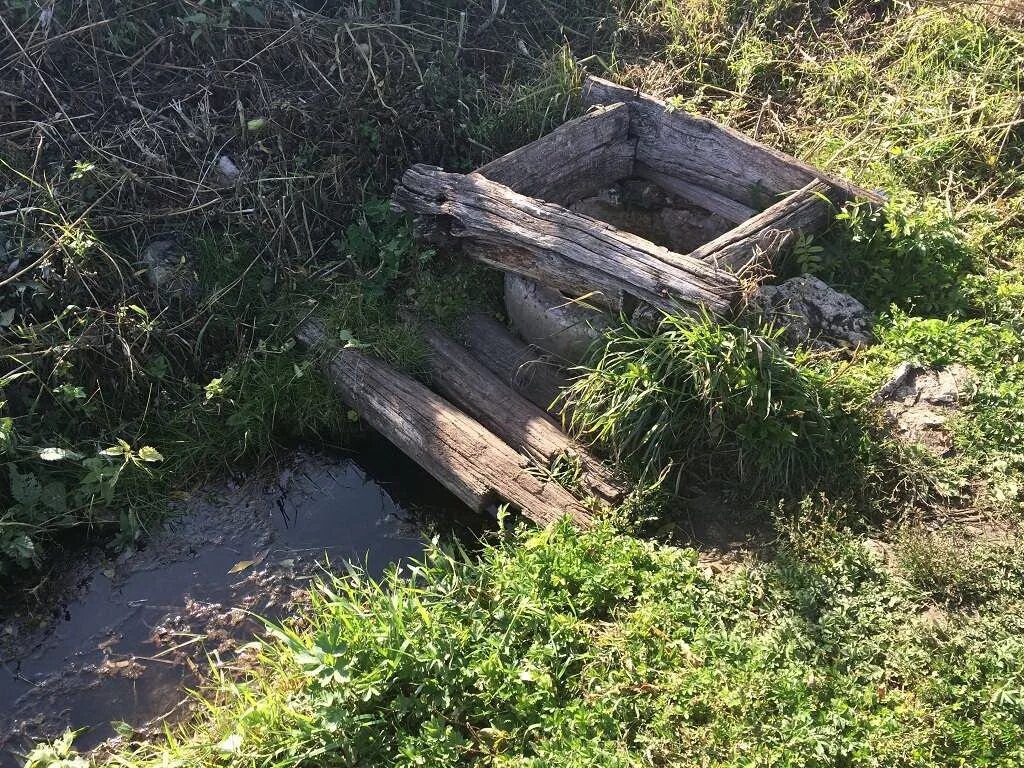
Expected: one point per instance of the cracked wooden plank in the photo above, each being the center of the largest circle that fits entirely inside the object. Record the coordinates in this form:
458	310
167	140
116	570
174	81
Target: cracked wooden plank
571	252
464	380
686	154
576	160
468	459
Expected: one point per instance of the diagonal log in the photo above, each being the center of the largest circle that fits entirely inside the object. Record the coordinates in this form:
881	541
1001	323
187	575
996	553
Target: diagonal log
458	451
769	233
526	369
463	380
550	244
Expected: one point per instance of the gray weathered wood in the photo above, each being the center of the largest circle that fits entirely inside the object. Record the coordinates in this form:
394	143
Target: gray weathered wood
458	451
526	369
575	160
766	235
702	153
548	243
695	194
464	380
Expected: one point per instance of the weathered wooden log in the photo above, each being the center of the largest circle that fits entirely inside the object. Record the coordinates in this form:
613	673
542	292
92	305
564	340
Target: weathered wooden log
462	379
568	251
576	160
685	153
458	451
524	368
766	235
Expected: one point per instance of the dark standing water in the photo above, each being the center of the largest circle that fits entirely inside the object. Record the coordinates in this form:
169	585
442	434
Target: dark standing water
133	634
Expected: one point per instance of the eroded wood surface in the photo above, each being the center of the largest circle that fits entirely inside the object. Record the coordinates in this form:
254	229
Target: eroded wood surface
526	369
766	235
468	459
700	153
464	380
575	160
548	243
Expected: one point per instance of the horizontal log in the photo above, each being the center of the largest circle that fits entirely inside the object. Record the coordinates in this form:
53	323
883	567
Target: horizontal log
524	368
695	194
703	153
463	380
557	247
468	459
766	235
576	160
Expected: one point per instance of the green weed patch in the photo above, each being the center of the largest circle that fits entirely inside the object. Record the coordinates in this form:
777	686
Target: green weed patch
568	649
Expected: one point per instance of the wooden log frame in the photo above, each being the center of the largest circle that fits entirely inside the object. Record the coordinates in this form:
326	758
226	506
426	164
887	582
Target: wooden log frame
574	253
518	365
463	380
709	164
469	460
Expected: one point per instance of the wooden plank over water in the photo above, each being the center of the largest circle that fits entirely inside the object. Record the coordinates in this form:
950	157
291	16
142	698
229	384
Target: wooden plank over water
463	380
464	456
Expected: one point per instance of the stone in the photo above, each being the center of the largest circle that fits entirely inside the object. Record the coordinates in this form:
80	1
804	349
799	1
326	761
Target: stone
813	313
547	319
168	271
918	401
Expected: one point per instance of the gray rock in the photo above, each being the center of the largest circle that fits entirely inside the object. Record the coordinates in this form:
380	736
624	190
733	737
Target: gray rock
811	312
919	401
169	272
550	321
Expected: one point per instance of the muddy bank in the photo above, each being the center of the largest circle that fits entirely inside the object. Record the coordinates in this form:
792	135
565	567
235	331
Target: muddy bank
132	634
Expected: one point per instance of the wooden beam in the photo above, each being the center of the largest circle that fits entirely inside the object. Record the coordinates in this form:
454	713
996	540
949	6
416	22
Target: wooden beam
695	194
568	251
766	235
458	451
462	379
702	153
576	160
525	369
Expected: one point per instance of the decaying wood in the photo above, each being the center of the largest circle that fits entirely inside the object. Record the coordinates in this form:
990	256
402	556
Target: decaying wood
463	380
695	194
568	251
524	368
576	160
700	153
806	211
465	457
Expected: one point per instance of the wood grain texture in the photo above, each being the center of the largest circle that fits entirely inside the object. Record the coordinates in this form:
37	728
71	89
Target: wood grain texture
463	380
769	233
468	459
562	249
576	160
524	368
696	194
702	153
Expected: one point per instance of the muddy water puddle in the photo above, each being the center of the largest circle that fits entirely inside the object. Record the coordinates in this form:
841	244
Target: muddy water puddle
133	634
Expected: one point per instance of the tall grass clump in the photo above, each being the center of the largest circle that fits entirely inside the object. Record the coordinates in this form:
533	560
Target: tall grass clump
704	398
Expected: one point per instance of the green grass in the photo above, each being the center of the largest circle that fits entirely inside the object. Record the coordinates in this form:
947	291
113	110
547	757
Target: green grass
557	648
699	399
